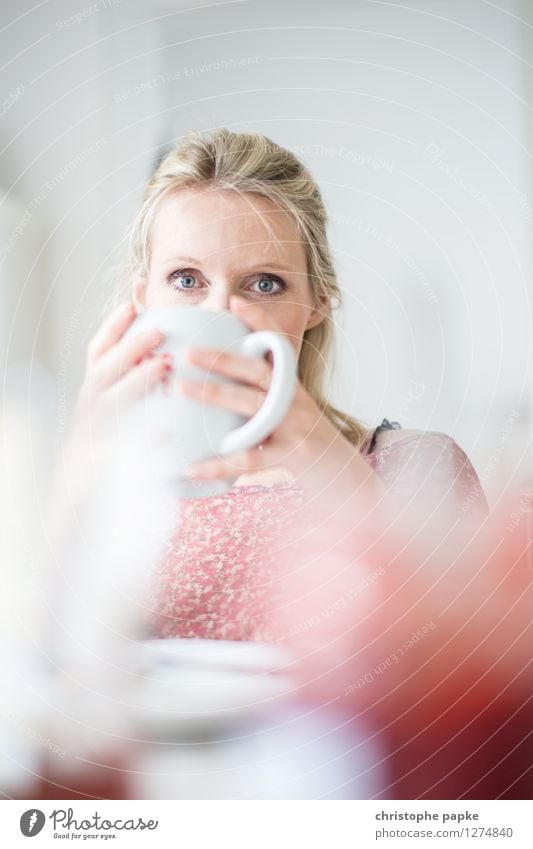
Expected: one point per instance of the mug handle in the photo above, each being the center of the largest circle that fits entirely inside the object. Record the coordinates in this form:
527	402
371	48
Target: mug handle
279	395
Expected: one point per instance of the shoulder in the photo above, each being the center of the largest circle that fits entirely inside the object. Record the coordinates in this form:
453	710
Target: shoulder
387	437
415	460
423	445
411	439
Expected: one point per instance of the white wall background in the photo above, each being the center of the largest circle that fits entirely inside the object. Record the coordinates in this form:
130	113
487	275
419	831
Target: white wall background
414	118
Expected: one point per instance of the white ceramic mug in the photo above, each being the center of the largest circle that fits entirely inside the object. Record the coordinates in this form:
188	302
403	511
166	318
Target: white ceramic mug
189	430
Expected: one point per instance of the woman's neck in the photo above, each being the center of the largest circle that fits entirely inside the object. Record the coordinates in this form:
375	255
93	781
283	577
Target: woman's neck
264	476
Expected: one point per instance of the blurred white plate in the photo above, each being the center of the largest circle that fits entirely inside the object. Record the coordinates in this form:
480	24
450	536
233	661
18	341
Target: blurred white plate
232	654
187	686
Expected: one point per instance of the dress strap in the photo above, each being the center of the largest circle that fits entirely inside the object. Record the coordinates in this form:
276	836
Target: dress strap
385	425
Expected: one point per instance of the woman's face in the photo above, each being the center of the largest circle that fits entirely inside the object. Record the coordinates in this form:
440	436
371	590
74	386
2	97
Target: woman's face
207	245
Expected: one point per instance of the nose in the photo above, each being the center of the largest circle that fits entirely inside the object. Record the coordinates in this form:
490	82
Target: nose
217	298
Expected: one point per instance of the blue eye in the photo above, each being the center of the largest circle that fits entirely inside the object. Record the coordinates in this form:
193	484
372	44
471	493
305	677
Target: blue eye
188	280
182	280
265	283
269	284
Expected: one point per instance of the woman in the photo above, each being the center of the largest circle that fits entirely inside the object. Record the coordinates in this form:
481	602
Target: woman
235	222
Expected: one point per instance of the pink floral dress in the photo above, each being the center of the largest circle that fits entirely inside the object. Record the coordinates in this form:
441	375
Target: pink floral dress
217	577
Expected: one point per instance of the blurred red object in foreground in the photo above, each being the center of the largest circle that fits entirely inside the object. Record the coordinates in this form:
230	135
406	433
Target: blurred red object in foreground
427	636
109	780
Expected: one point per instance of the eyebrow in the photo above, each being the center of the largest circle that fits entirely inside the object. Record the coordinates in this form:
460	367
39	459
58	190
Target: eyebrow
264	264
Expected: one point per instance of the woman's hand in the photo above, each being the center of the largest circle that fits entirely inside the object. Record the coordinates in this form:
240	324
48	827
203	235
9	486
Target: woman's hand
306	442
118	370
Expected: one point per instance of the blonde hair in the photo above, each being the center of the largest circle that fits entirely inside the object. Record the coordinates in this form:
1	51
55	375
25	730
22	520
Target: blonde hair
253	163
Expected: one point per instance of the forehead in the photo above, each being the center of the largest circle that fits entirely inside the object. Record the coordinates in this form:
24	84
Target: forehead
203	222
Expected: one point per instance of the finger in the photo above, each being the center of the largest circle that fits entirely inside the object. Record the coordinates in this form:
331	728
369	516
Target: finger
253	370
139	381
127	354
100	410
242	400
250	460
111	330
